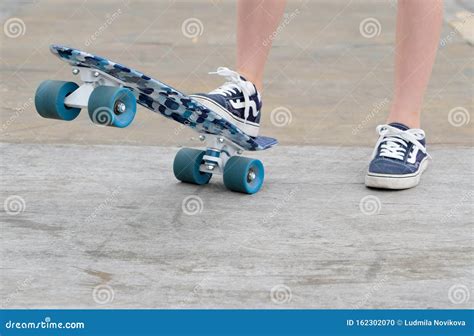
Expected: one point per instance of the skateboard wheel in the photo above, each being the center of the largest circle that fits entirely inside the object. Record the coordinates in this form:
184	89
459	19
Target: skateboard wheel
49	100
112	106
243	174
186	166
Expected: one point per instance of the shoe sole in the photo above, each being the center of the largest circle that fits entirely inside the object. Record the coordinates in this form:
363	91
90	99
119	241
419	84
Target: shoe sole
247	128
396	182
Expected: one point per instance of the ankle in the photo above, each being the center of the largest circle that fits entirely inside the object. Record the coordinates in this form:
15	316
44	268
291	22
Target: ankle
411	120
407	122
253	78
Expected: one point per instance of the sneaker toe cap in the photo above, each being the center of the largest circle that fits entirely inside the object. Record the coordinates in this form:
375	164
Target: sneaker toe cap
392	167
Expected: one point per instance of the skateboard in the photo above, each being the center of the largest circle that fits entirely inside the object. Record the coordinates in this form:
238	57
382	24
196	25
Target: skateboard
111	91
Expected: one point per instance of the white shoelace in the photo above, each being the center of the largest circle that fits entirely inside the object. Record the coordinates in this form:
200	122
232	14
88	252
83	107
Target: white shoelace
395	141
232	86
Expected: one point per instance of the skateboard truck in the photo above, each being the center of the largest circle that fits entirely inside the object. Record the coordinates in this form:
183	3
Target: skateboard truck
218	152
91	79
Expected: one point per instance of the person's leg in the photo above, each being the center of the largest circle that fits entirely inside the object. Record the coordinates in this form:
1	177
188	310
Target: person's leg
400	155
256	22
417	39
239	100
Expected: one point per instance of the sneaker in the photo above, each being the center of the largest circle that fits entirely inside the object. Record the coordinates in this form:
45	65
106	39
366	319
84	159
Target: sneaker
399	158
237	101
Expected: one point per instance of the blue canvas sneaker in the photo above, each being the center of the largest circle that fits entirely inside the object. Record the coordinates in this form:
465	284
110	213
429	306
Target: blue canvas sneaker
237	101
399	158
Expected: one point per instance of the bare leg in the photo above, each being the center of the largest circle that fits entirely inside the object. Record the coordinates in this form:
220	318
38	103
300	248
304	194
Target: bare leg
256	22
418	31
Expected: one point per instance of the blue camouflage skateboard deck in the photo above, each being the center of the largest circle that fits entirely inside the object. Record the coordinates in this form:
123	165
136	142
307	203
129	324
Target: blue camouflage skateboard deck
161	98
110	93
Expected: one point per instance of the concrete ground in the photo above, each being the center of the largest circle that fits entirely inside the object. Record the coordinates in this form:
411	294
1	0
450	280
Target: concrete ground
314	234
93	216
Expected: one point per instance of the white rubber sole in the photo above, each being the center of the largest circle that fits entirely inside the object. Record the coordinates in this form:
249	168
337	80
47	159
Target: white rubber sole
396	182
248	128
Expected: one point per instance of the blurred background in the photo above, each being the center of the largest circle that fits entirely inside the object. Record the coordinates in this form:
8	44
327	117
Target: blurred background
327	80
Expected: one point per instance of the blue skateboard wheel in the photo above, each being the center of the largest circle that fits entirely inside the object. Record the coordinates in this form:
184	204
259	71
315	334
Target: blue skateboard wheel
243	174
186	166
112	106
49	100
